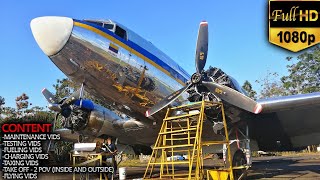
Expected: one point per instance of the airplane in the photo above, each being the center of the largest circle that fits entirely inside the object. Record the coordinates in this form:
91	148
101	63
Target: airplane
135	78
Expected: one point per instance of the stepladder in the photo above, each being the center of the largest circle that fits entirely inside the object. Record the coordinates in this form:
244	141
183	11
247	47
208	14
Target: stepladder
177	152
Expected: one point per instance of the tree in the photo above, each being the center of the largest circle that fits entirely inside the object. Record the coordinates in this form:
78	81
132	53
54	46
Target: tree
248	88
303	77
9	112
271	86
22	102
2	102
304	73
37	109
64	88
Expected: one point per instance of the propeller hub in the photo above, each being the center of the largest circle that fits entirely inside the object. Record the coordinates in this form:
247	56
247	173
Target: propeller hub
196	78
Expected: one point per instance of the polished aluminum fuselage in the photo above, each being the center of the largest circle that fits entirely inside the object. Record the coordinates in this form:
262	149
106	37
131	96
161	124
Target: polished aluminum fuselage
127	80
114	76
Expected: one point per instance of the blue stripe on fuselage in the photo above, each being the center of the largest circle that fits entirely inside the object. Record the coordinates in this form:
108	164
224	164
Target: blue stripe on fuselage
141	50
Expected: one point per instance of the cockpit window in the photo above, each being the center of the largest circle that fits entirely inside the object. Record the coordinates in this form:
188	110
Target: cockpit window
98	23
108	26
121	32
95	22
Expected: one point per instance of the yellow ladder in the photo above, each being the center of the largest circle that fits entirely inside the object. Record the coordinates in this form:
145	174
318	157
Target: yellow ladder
181	133
91	159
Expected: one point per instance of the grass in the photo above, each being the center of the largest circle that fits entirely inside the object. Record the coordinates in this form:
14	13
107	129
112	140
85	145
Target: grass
296	153
132	163
288	153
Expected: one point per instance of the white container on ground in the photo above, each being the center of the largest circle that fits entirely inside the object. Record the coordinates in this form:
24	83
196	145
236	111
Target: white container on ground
122	173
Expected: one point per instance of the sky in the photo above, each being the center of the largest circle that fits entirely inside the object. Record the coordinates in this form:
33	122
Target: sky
238	42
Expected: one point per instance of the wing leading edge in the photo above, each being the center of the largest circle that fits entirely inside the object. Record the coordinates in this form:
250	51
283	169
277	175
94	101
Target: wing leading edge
289	102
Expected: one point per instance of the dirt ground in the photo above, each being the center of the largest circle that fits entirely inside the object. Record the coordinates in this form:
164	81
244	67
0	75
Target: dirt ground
279	167
286	167
272	167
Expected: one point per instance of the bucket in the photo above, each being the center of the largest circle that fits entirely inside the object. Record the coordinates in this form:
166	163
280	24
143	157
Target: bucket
122	173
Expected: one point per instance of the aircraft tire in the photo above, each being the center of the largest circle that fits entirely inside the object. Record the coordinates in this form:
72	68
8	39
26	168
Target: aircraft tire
239	159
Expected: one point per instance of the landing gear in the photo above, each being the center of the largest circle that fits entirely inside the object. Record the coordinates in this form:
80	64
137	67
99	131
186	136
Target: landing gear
239	151
242	158
239	159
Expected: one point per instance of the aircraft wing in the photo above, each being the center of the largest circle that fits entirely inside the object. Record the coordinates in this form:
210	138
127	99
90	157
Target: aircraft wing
290	102
288	122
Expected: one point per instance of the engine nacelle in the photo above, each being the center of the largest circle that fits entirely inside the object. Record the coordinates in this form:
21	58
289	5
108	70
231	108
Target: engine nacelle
90	119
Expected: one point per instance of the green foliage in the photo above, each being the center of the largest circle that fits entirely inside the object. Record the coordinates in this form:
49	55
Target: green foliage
64	88
248	88
37	109
2	102
22	102
304	73
41	116
22	114
303	77
271	86
9	112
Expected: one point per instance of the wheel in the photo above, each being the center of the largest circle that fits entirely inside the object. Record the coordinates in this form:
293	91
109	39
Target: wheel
239	159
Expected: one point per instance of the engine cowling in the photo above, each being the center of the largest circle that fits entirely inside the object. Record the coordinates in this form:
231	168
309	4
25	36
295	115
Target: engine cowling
90	119
212	74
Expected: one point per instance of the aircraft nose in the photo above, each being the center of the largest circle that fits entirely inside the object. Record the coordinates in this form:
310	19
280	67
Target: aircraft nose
51	33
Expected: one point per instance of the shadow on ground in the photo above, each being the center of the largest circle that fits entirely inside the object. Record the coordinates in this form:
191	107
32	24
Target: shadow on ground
300	167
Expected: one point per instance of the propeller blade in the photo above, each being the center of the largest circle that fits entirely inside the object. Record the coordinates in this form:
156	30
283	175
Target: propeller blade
54	107
72	98
81	94
233	97
49	96
202	46
166	101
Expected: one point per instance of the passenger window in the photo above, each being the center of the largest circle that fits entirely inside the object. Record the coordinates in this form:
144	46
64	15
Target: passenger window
121	32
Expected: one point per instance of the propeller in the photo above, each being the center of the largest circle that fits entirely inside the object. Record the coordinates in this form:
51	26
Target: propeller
202	47
166	101
59	107
49	96
72	98
62	107
221	91
233	97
